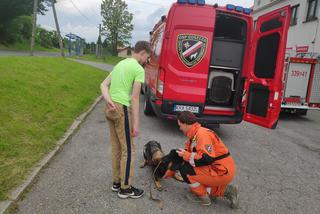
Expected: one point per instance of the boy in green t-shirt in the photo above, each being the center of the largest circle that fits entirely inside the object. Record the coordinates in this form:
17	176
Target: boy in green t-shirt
121	90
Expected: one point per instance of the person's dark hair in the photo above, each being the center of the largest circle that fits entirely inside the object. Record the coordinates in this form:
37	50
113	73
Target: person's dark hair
187	117
142	46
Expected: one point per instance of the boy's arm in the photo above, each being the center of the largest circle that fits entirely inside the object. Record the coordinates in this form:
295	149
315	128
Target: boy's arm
104	87
135	108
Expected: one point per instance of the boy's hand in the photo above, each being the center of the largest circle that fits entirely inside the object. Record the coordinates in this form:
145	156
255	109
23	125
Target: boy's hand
110	105
134	132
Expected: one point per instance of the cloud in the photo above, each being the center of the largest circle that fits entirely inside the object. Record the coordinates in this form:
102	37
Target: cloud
87	7
85	32
143	22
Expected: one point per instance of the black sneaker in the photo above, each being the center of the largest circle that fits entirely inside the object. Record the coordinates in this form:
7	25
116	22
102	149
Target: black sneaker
115	187
131	192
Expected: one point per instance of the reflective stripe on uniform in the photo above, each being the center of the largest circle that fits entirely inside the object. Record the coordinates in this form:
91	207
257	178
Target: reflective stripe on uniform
194	185
191	161
209	190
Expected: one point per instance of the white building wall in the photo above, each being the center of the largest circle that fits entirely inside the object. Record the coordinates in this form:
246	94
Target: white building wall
301	34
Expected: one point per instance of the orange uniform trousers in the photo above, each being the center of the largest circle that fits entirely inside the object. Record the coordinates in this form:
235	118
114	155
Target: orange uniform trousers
212	179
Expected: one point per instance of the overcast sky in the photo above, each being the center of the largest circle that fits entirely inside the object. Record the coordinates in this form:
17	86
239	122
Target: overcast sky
82	17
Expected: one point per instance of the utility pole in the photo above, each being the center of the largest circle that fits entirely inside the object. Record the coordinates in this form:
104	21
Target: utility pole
57	26
98	45
34	25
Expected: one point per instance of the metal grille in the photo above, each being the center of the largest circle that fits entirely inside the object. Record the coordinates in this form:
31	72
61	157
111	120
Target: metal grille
315	91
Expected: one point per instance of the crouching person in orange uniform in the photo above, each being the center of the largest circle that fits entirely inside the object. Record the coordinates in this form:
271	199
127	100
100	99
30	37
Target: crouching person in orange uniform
207	165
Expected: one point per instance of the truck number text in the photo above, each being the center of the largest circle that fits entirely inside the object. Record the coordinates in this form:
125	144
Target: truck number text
297	73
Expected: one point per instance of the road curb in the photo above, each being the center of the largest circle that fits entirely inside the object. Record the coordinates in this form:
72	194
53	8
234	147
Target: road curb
15	194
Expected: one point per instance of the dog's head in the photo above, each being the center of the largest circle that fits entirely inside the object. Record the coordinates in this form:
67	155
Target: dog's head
152	152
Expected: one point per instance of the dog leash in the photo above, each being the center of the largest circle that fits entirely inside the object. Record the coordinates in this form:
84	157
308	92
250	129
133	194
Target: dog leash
159	200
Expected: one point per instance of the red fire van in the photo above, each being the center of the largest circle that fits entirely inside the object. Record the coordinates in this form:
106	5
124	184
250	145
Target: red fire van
217	63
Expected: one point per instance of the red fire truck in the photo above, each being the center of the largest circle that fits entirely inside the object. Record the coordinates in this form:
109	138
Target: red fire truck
301	89
215	62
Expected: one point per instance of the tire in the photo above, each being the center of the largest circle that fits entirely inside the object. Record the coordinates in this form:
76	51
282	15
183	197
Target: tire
147	108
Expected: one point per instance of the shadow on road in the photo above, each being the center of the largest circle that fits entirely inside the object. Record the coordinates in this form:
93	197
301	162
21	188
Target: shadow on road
285	116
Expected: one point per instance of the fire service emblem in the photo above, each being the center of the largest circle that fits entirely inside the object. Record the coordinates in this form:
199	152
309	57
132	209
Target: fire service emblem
191	49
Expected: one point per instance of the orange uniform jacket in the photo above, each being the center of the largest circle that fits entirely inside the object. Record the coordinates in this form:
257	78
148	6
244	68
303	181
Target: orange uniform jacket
203	147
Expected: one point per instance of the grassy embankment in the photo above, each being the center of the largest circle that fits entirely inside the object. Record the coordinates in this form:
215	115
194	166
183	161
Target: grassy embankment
39	97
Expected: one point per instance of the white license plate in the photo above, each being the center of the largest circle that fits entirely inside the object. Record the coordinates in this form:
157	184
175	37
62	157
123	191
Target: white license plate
193	109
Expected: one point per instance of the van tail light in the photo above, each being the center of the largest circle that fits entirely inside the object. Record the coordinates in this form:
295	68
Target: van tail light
160	83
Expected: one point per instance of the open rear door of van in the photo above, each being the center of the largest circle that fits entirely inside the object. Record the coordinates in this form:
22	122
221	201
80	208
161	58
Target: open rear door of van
263	87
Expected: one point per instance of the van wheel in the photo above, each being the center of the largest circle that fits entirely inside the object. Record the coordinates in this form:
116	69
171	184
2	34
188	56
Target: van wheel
147	108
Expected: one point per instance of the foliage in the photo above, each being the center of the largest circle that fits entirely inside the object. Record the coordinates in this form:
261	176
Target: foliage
11	9
117	23
19	30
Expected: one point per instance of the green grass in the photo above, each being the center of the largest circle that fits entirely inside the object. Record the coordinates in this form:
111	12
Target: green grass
26	47
112	60
39	98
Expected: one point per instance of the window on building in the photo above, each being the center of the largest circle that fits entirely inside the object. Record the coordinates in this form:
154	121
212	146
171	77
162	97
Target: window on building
312	10
294	13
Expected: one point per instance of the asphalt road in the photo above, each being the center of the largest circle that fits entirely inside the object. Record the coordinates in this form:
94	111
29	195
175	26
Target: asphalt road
278	170
102	66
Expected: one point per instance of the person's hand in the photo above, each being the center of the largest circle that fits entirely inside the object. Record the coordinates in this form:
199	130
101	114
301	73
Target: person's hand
180	152
134	132
110	105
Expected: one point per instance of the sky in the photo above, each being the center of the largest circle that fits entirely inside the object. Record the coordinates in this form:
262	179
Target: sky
82	17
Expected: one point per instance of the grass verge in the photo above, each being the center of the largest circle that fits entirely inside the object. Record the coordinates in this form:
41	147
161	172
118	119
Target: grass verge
39	98
26	47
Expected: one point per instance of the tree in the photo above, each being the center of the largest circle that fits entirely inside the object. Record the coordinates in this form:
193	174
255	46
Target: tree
116	20
19	29
11	9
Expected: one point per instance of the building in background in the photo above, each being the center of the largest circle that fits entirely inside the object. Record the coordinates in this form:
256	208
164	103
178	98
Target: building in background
124	51
304	33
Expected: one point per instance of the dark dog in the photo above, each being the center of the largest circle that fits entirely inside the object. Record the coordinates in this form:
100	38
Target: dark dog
154	157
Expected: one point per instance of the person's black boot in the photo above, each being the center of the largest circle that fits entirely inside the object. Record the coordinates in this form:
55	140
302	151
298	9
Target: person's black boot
231	194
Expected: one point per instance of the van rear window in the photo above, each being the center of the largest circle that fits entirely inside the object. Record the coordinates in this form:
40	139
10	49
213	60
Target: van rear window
228	27
266	56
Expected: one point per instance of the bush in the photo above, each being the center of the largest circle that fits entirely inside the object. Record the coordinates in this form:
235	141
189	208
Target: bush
19	29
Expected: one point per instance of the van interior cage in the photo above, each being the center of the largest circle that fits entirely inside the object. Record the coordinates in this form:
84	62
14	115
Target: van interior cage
226	61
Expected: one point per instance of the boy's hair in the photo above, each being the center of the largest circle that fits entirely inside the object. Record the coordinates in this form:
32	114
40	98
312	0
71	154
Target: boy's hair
187	117
142	46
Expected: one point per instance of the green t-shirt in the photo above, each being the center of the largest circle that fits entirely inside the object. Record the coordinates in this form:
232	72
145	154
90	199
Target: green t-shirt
123	75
